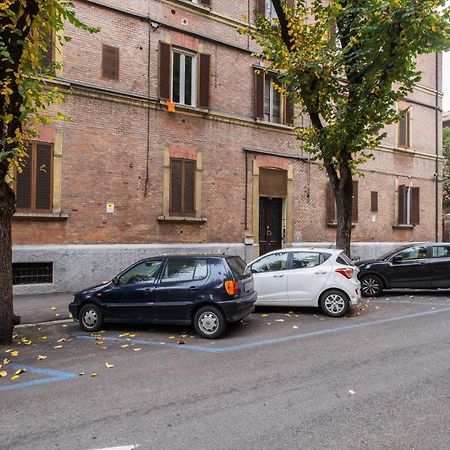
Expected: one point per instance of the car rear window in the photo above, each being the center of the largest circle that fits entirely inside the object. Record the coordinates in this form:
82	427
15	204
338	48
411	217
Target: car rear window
237	266
344	259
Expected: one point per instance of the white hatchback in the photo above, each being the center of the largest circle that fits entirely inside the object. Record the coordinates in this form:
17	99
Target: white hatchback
317	277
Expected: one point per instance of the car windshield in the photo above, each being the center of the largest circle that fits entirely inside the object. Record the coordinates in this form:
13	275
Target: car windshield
237	266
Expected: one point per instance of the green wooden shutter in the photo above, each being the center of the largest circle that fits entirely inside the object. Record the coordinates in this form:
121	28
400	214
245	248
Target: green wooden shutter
110	62
415	206
189	188
402	204
175	187
24	183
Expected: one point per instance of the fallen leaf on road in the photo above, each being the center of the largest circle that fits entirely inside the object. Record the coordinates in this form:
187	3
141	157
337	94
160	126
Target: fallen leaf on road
132	335
269	323
264	315
137	349
19	371
81	374
9	350
15	353
57	346
15	377
53	308
295	326
41	357
124	346
6	361
64	326
94	374
351	392
62	340
279	320
108	365
3	374
70	316
171	337
124	334
43	337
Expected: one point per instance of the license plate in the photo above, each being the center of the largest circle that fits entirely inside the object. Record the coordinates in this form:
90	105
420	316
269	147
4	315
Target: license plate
248	286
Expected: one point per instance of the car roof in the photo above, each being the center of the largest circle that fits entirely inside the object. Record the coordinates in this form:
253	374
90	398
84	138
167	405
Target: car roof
333	251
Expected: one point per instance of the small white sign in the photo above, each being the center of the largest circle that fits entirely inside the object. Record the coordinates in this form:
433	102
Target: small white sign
110	208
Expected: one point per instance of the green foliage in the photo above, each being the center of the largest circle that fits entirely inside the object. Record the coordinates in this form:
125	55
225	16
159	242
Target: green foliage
347	63
28	30
446	179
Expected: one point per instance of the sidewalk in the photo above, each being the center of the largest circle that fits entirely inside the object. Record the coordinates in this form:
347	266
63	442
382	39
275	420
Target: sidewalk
38	308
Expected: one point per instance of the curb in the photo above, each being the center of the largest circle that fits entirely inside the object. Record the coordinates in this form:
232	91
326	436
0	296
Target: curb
48	322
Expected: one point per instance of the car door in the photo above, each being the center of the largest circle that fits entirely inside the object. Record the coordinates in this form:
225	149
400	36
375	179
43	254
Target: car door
440	265
270	280
181	282
133	296
409	268
307	275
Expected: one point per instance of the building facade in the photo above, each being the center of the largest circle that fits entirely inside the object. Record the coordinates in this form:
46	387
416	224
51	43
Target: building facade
177	142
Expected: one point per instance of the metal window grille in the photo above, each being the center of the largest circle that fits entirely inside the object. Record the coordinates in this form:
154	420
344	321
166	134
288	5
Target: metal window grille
32	273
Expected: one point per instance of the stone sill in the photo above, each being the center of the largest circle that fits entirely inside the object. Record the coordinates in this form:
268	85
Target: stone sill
401	226
40	215
182	219
334	224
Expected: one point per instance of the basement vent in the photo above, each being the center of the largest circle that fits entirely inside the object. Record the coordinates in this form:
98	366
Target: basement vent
32	273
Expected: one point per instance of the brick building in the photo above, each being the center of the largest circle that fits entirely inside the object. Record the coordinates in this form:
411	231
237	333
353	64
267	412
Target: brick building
178	143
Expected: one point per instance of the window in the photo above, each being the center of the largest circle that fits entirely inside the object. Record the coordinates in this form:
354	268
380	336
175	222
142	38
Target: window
32	273
270	105
144	272
331	204
182	187
374	201
441	251
183	78
34	184
304	259
110	62
185	270
271	263
404	130
408	205
180	72
417	252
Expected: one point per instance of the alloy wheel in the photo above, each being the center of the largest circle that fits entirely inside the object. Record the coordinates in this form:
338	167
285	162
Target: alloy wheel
335	304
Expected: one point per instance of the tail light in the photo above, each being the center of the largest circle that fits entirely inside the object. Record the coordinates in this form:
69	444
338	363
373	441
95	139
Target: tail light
346	271
231	287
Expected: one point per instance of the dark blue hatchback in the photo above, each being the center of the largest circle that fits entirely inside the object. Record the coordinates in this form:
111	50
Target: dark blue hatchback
205	291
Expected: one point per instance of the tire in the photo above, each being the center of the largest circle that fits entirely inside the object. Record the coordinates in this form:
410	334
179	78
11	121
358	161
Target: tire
209	322
334	303
90	317
371	286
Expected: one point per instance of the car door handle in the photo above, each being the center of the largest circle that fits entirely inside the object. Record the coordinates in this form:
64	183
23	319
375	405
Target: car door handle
193	287
322	272
278	276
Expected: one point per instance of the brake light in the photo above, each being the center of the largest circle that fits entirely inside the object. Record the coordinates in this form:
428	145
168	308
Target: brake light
346	271
231	287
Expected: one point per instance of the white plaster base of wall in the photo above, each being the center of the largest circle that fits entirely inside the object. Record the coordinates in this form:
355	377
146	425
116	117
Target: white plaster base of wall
76	267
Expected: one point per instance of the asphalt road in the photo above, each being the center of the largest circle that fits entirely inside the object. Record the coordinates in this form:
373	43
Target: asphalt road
284	379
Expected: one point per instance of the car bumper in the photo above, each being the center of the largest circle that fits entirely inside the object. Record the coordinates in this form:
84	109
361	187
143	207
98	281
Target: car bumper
355	299
74	310
236	310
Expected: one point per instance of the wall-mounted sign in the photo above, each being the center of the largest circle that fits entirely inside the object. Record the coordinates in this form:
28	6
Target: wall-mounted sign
110	208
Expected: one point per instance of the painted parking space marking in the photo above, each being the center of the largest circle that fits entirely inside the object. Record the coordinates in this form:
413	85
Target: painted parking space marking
408	302
51	377
275	341
123	447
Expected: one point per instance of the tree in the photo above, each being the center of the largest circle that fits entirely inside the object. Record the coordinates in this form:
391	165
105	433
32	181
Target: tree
25	28
446	178
346	64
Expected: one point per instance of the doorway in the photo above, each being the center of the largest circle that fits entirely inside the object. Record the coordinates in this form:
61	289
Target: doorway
270	220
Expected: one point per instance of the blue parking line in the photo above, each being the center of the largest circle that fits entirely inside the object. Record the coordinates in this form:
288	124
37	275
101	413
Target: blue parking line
407	302
53	376
296	337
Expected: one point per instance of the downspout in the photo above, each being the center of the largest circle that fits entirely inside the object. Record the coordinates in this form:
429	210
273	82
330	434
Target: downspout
436	174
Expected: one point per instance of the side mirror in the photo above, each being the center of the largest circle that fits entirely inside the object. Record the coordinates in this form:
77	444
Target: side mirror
397	259
115	281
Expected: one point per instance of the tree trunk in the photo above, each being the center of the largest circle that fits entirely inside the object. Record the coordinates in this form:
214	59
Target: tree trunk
344	204
7	208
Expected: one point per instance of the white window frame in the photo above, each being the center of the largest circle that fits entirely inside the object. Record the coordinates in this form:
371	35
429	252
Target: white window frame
408	191
268	79
183	55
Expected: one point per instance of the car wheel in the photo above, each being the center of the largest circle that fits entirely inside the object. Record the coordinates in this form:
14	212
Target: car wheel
371	286
334	303
209	322
90	317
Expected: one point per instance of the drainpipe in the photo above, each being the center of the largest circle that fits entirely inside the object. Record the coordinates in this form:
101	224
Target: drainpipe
436	174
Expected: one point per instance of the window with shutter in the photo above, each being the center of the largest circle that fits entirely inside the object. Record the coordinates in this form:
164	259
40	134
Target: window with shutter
408	205
110	62
184	78
331	204
182	187
34	186
404	131
374	201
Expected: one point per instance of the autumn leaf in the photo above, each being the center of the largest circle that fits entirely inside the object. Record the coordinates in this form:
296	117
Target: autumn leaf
3	374
171	337
124	346
57	346
137	349
41	357
94	374
15	377
19	371
15	353
108	365
53	308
